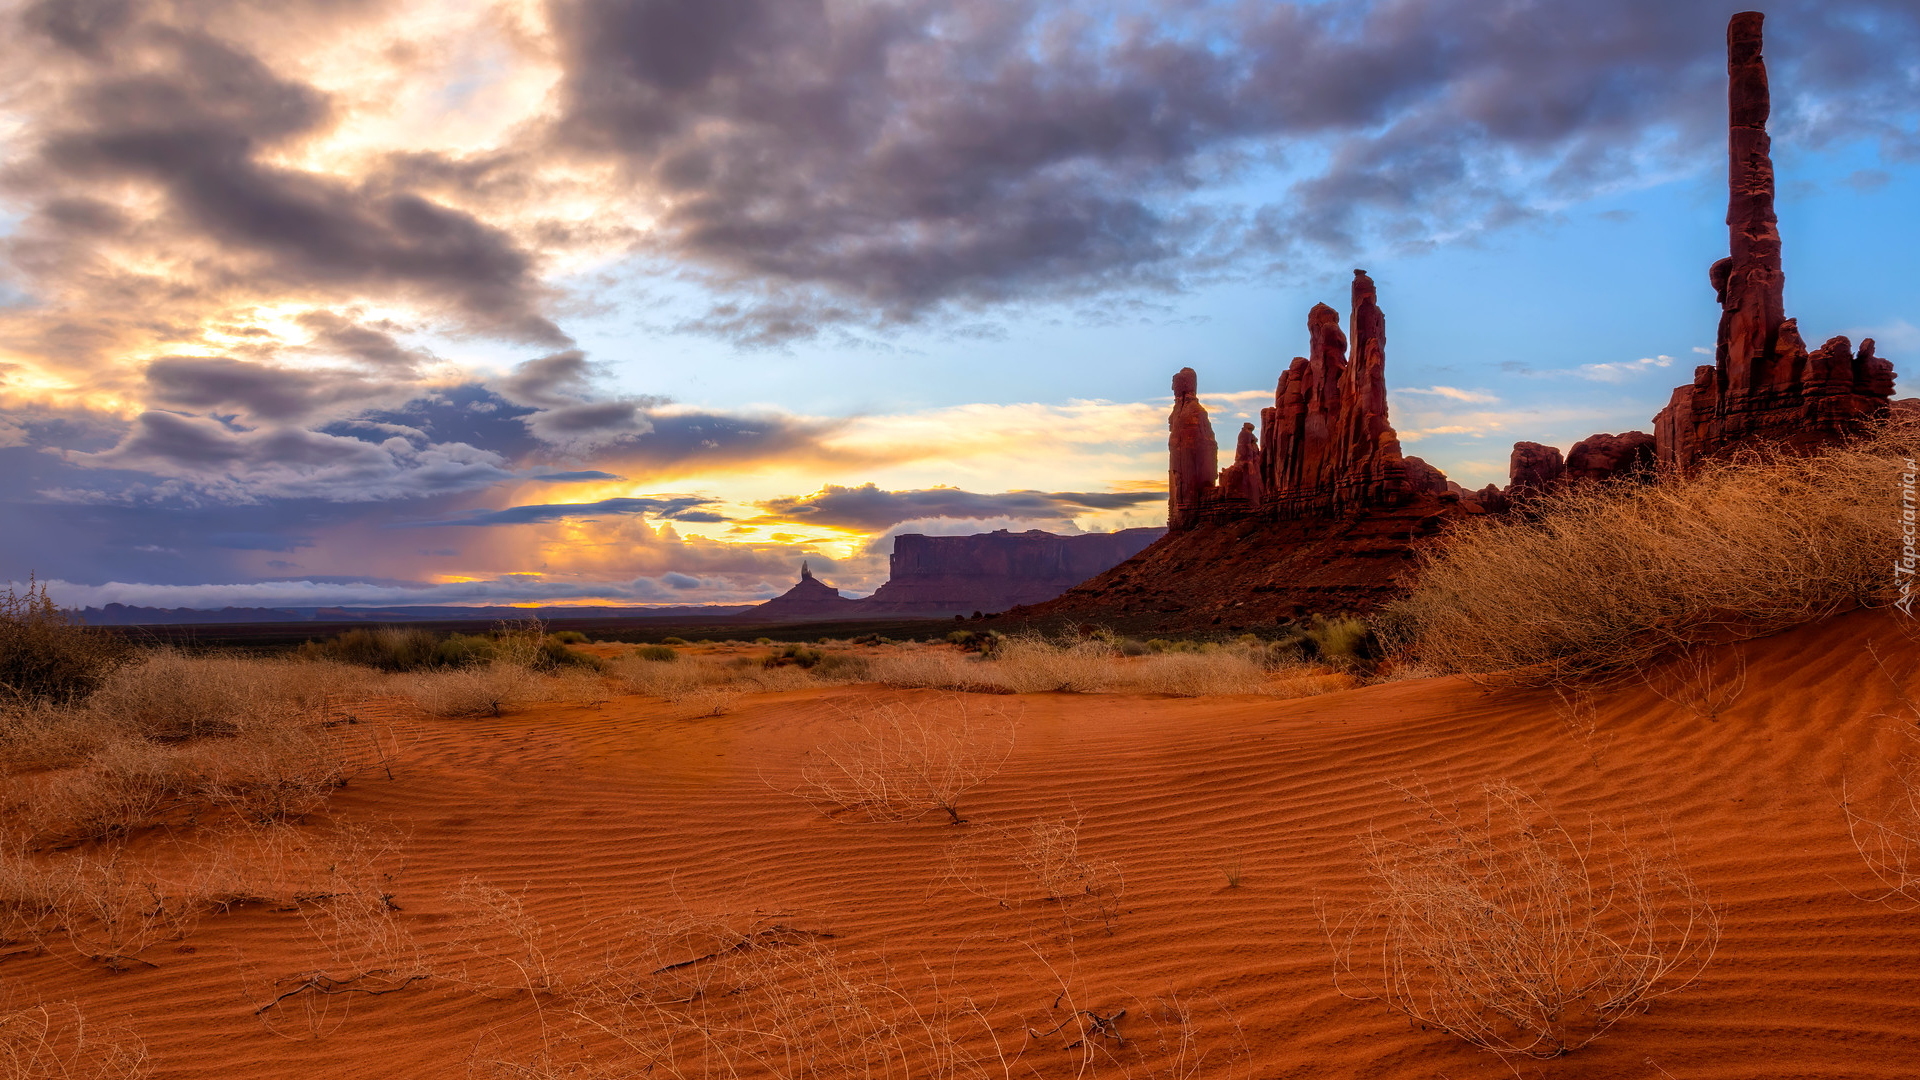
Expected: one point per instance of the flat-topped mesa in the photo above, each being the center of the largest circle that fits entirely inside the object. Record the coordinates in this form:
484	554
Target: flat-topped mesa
1323	449
1763	386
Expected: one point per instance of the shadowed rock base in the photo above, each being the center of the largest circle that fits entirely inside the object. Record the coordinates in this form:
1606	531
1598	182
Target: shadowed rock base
1250	574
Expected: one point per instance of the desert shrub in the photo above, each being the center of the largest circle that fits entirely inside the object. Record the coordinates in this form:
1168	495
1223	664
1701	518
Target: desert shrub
1342	641
569	637
805	656
177	736
56	1042
477	691
659	654
1605	578
960	637
763	641
553	655
841	667
901	760
673	641
1221	671
46	655
1038	861
644	675
1522	936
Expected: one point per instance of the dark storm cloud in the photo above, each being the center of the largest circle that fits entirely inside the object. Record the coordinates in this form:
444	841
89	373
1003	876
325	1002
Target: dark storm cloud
265	391
883	159
197	117
221	462
568	412
869	507
681	507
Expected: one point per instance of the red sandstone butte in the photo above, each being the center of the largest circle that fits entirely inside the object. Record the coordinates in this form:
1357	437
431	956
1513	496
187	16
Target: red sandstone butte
1763	386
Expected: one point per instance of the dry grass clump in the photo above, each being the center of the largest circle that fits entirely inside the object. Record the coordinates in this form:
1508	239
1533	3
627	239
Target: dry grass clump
1516	933
46	655
1603	578
1037	862
56	1042
902	760
486	690
720	997
173	738
1032	664
1887	835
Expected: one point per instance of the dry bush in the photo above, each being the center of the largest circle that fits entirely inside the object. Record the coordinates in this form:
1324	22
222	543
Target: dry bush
46	655
1038	862
901	760
718	997
173	738
1603	578
1033	665
662	680
1698	682
56	1042
341	884
1887	834
1516	933
1219	671
488	690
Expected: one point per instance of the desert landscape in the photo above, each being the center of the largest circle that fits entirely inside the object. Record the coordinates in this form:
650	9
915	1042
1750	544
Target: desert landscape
1611	772
1687	843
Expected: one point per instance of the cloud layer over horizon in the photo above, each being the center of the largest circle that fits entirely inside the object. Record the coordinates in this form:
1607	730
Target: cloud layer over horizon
311	291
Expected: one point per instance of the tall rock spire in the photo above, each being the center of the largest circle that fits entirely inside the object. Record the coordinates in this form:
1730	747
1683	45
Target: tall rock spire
1749	281
1193	456
1764	385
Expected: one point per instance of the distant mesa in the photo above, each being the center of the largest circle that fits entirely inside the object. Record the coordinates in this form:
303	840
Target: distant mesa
960	575
1320	510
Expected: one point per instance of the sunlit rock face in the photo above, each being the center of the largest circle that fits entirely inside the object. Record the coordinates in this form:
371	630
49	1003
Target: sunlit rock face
1764	386
1325	447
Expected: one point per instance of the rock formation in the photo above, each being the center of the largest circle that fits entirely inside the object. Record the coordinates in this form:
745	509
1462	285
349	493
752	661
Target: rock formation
809	599
1763	386
1192	454
1628	455
1324	448
988	572
1533	469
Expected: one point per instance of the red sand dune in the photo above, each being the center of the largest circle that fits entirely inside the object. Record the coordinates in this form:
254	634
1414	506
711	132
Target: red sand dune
593	810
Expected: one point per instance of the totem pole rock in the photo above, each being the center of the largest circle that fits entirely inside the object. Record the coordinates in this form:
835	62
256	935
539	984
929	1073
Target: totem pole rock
1763	387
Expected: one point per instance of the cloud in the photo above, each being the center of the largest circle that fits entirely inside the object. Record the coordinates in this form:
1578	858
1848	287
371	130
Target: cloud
567	413
506	589
262	391
874	162
238	465
869	508
679	507
1451	393
1622	371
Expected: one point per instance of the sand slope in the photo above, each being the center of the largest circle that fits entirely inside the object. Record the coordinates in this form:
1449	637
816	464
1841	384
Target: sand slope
587	811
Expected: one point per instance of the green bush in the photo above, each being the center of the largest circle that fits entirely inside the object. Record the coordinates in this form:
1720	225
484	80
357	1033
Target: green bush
46	654
663	654
960	637
673	641
763	641
570	637
389	648
1342	642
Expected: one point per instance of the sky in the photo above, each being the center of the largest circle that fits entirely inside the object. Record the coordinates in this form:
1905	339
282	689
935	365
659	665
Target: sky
641	302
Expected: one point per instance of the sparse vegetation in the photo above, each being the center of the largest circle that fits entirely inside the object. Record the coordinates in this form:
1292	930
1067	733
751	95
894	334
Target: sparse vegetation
1505	927
1601	579
904	759
47	656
